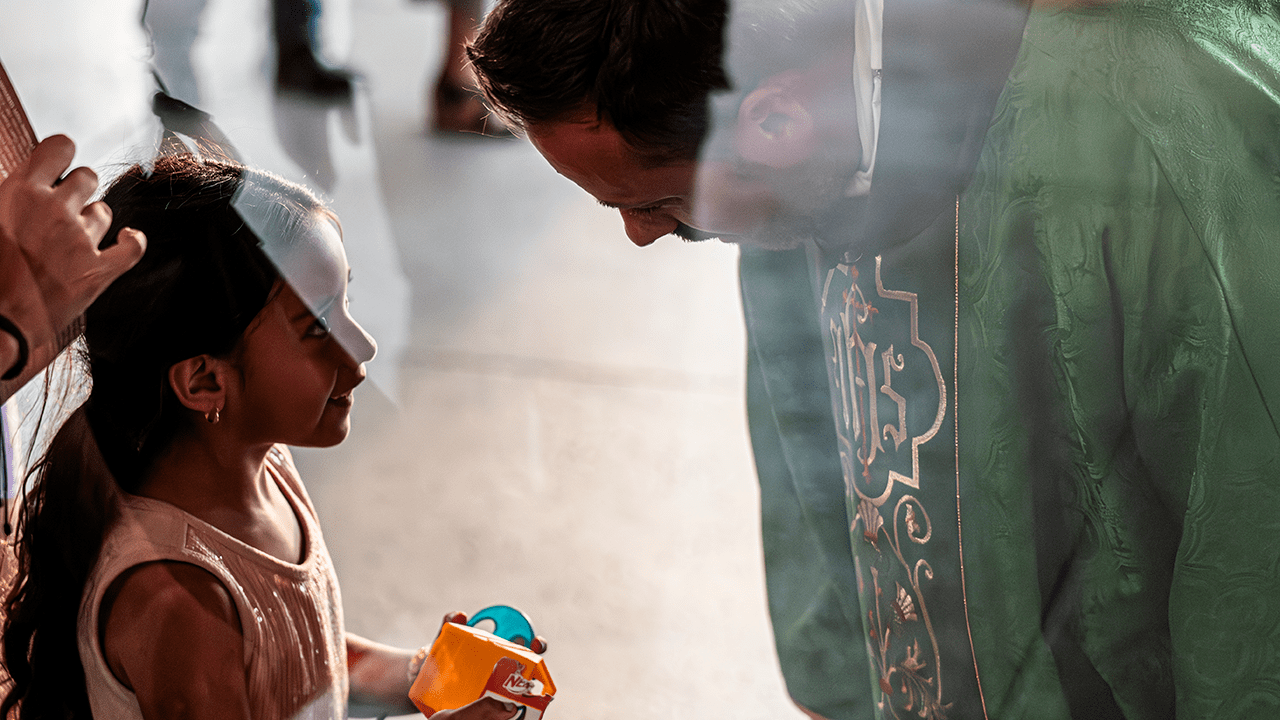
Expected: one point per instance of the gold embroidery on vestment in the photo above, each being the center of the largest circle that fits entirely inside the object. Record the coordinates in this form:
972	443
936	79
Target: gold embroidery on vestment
910	675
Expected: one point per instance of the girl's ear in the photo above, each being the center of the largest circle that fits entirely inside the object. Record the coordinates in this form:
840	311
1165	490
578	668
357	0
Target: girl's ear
197	381
775	127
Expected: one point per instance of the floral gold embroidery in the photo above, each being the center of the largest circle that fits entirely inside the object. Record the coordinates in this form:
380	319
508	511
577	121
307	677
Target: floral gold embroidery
913	527
871	521
879	448
904	607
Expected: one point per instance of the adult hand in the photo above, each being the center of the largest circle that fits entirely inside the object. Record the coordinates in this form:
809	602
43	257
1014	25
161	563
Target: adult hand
58	237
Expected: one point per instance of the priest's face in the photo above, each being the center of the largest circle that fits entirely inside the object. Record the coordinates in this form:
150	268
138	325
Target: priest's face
730	199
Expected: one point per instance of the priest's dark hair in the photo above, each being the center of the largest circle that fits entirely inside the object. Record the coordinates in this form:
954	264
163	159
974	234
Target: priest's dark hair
645	66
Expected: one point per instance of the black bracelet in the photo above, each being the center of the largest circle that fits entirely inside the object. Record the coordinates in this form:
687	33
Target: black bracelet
23	351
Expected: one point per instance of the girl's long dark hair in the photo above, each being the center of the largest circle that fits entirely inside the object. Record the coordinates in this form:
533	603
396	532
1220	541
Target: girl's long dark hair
203	279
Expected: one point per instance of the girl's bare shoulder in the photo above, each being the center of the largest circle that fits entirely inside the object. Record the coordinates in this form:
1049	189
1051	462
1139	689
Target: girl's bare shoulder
171	634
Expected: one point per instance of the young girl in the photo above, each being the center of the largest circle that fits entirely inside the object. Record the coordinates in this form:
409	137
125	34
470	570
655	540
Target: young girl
170	561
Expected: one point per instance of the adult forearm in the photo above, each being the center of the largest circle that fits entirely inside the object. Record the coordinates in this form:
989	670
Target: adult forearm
22	315
8	352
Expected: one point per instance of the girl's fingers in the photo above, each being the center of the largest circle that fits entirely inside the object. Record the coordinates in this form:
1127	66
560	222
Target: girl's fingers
497	710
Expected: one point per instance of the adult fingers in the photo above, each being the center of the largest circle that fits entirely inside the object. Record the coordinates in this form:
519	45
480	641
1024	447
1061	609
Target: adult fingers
78	186
125	253
96	218
539	645
49	160
455	617
111	263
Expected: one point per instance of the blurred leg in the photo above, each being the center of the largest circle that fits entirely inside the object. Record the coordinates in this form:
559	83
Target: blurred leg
456	105
296	25
174	26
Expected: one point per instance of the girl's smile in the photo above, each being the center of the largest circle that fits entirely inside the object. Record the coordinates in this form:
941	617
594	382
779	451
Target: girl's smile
304	354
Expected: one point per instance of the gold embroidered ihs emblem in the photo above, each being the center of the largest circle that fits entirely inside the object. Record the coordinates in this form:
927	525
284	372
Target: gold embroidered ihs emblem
889	399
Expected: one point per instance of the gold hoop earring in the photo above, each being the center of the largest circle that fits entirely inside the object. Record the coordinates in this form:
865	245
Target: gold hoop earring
213	416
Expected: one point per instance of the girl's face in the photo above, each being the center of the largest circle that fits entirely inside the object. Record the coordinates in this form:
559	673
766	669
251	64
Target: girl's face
303	355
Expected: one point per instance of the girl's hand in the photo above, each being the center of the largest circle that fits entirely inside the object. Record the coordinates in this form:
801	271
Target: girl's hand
482	709
539	644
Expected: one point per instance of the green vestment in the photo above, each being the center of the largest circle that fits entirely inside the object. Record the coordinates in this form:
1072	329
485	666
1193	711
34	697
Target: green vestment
1100	309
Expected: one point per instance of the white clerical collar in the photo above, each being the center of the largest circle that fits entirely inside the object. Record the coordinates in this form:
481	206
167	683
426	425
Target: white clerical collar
868	37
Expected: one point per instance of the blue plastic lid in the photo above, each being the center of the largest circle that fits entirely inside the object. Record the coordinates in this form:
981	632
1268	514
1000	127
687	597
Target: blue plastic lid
508	623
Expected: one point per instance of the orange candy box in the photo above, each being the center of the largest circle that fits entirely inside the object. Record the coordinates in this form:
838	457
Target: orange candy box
466	664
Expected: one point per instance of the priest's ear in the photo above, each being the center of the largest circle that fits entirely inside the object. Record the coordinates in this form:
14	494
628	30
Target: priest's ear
775	126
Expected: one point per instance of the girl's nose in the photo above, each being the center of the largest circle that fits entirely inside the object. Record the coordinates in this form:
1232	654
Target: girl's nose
355	341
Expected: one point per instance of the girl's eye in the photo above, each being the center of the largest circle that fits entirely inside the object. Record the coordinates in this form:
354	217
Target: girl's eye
319	328
645	211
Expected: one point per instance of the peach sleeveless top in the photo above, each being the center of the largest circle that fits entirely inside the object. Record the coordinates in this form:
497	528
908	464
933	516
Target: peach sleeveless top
291	615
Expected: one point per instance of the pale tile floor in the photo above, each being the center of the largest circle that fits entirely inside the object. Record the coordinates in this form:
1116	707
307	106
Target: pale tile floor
557	421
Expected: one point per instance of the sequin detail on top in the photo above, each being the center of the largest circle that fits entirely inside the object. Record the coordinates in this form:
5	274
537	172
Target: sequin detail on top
291	614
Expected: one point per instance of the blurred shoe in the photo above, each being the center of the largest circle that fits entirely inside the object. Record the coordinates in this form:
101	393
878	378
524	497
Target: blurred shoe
298	71
459	109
